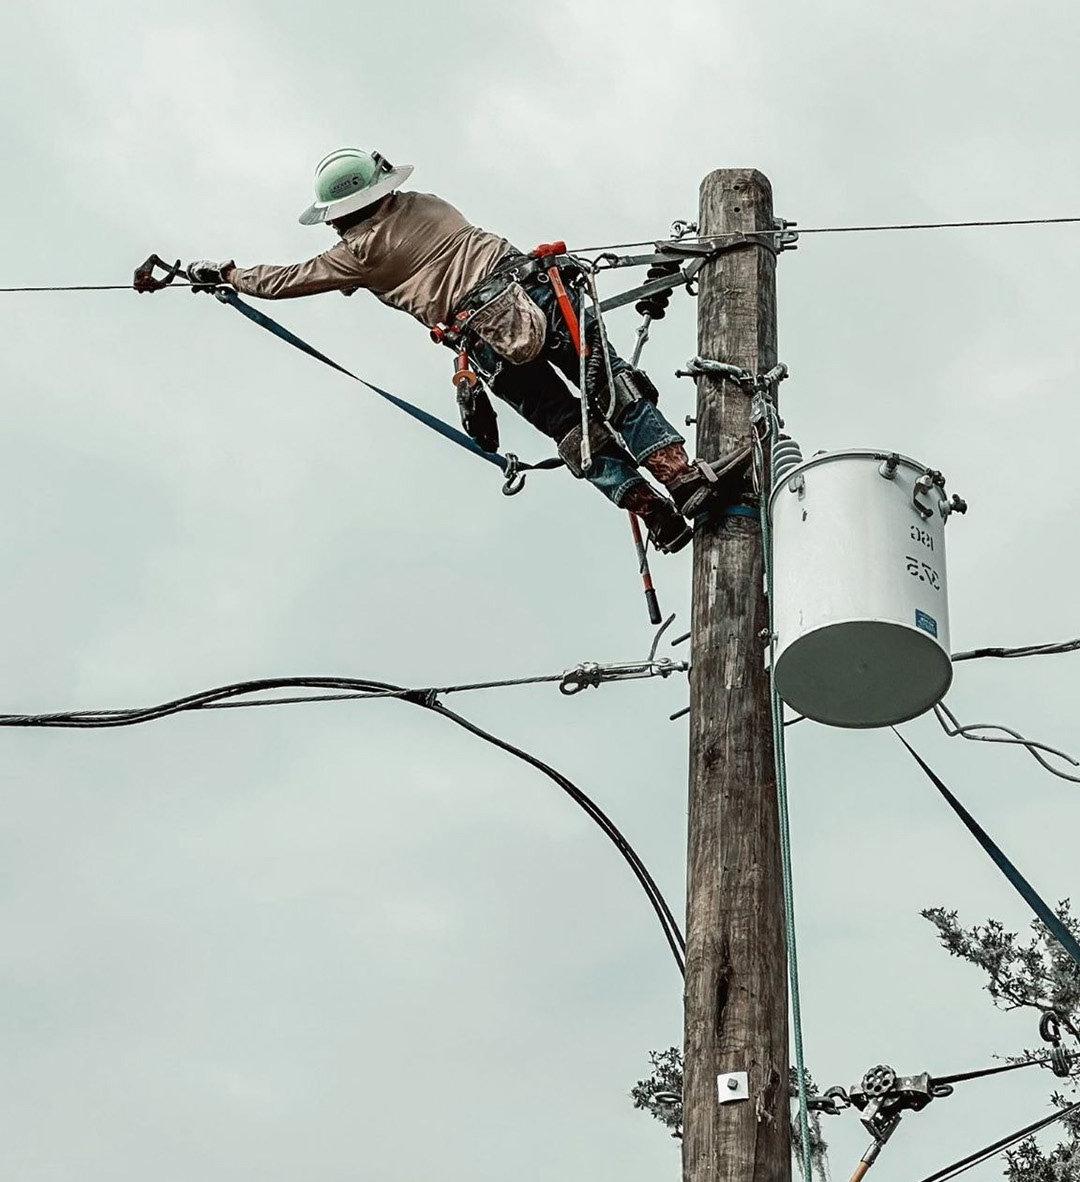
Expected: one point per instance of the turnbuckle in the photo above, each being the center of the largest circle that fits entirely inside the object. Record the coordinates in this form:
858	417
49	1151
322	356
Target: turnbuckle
591	674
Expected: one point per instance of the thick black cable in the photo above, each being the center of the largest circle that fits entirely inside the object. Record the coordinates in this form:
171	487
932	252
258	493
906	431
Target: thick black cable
981	1155
672	933
220	697
223	696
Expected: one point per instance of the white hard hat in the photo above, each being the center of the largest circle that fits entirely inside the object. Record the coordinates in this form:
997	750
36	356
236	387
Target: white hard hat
351	179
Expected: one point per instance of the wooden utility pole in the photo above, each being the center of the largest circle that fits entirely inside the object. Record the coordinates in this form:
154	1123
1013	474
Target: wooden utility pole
736	965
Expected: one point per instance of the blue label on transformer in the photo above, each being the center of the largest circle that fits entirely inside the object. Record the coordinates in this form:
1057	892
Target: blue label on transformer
925	622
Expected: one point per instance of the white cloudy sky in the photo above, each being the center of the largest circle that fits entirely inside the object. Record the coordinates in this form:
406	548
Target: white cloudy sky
347	941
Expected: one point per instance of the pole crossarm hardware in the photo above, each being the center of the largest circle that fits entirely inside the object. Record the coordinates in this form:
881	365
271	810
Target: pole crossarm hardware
752	383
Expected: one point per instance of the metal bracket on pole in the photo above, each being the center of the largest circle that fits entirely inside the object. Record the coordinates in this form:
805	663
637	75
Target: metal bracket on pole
785	237
733	1085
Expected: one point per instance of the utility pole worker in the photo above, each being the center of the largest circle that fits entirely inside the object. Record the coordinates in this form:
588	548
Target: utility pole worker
416	252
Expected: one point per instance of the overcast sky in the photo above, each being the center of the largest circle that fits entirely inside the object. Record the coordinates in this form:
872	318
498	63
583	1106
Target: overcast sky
347	941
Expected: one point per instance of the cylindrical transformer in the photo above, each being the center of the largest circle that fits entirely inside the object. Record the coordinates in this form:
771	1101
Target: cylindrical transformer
860	597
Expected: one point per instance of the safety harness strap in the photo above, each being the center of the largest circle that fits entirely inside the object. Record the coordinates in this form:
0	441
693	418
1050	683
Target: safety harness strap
1026	891
509	464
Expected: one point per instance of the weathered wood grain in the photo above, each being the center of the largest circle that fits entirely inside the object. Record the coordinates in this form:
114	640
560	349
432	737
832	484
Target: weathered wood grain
736	971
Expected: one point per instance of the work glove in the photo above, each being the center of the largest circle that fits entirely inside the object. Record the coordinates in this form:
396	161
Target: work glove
206	276
478	416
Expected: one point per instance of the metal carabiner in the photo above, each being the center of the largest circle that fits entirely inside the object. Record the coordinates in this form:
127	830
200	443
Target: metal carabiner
515	477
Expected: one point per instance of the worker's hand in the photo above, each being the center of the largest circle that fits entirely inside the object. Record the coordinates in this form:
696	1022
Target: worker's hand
205	276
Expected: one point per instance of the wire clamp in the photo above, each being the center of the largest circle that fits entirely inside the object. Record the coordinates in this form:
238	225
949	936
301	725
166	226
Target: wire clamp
784	236
753	384
831	1103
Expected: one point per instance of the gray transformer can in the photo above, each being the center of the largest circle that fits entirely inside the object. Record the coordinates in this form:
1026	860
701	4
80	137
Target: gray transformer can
860	587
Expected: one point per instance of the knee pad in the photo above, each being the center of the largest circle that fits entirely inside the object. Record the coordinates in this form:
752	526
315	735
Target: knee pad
630	387
569	447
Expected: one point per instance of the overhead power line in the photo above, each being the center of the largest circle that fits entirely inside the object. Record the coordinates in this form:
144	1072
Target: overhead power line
363	688
867	229
952	726
83	287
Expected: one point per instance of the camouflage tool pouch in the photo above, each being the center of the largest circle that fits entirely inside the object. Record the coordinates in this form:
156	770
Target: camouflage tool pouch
511	324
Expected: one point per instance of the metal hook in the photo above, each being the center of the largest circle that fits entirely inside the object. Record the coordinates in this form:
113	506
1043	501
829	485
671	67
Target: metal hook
144	280
515	478
660	632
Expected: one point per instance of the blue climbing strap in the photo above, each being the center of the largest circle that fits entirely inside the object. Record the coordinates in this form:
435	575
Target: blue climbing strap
1024	888
509	464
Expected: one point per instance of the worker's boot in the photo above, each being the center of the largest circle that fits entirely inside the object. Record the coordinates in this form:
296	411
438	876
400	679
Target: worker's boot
697	487
668	531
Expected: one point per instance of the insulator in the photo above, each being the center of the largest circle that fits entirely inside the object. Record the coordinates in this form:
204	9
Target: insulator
786	455
655	305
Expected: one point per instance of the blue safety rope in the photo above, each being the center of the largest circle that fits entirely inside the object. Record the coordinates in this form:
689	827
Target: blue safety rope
1024	888
780	759
509	464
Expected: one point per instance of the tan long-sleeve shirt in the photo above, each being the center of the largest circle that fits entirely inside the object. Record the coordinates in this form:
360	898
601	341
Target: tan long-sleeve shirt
417	253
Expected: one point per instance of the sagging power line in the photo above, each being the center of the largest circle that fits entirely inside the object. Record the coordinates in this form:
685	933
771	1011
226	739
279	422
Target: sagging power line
363	688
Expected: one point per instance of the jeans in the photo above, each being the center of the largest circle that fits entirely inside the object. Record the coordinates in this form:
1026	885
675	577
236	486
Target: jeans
540	396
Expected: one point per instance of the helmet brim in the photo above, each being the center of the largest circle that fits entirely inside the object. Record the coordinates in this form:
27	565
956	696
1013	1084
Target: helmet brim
327	211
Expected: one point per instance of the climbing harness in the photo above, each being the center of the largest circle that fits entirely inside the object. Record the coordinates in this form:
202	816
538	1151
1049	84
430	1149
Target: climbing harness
1026	891
552	255
672	263
549	254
